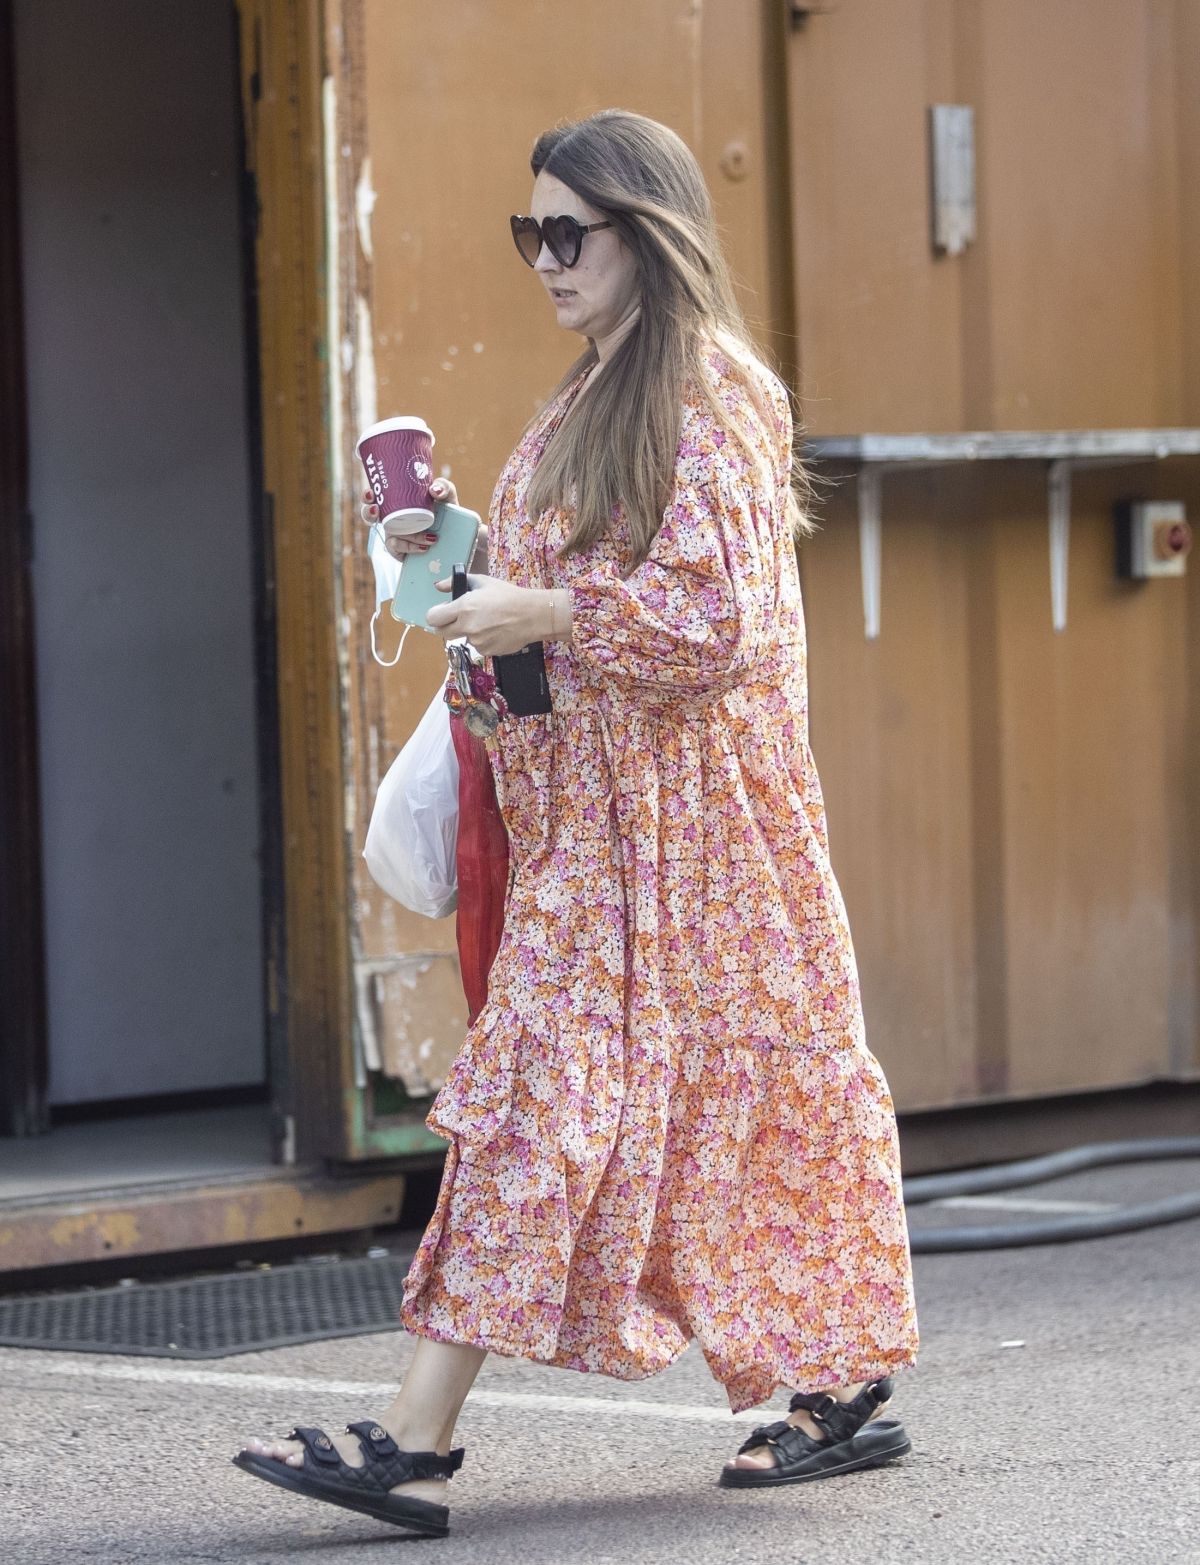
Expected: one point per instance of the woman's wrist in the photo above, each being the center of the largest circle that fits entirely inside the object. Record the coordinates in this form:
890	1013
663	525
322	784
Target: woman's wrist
557	614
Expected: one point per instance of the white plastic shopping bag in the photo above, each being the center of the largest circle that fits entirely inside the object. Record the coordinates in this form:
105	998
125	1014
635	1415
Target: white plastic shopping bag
413	836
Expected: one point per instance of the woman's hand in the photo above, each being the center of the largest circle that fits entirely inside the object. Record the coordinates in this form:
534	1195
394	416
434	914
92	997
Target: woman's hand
441	490
496	617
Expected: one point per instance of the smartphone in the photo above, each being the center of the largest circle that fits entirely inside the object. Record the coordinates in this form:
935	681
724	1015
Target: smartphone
457	530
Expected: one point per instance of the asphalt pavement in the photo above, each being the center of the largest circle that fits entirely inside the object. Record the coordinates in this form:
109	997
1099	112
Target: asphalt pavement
1053	1418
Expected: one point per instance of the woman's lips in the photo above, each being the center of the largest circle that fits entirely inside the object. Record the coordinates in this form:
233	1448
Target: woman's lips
559	294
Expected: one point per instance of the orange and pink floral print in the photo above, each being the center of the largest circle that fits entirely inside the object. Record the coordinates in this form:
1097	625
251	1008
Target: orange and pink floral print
665	1124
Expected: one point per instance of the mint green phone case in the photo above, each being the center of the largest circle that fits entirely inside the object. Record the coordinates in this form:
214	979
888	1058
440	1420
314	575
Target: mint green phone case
457	530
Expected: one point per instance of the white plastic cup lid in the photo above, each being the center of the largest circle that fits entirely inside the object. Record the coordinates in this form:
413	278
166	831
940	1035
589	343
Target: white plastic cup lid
406	422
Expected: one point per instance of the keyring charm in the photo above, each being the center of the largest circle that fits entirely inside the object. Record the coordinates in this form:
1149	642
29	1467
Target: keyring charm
472	691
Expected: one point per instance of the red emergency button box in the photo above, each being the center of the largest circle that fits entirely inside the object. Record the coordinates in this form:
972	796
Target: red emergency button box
1153	539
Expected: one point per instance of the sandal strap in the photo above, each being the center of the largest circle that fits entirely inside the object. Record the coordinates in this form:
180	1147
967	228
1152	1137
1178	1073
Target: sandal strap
317	1444
844	1419
791	1443
379	1446
384	1464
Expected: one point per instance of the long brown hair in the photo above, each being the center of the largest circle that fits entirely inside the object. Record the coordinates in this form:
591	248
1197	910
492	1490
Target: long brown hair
618	443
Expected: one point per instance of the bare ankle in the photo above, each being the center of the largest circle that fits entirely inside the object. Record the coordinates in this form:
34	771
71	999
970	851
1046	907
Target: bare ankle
411	1435
848	1393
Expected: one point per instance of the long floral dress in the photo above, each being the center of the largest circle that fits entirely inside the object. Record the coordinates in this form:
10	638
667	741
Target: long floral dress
665	1123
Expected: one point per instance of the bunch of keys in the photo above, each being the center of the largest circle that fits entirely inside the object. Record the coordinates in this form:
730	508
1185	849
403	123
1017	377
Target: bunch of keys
472	690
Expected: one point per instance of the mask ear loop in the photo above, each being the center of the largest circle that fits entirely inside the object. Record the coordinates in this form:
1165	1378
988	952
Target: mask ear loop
383	662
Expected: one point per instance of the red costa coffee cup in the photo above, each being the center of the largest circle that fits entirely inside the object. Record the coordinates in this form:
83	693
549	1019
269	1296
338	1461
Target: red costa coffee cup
397	457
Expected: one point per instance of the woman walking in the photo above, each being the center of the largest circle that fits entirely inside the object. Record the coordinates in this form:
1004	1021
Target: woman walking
665	1124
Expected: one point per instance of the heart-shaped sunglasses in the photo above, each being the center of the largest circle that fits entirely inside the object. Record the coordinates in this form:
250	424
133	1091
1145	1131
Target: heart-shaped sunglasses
562	236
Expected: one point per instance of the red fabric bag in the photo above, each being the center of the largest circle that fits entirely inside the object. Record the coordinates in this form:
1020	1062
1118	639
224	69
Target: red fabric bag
482	865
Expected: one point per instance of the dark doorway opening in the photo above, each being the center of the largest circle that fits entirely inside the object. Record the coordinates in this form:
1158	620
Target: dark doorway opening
140	880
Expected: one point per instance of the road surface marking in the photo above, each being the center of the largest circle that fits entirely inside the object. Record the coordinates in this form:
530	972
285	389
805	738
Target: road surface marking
78	1366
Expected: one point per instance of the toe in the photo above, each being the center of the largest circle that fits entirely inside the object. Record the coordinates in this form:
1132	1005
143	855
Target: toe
758	1457
280	1450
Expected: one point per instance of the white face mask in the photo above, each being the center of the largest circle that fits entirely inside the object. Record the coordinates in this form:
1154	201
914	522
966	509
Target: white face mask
387	580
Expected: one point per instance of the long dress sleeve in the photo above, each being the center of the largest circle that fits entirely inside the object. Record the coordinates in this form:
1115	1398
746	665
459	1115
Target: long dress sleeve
696	617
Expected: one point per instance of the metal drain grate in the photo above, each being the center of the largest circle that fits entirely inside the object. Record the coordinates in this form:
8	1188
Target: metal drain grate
210	1317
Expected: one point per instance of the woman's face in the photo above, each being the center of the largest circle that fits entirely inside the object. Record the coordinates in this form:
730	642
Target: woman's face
598	296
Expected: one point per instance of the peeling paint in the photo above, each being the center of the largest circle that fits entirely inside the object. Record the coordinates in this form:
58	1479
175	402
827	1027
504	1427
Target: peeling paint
114	1230
412	1015
370	1002
145	1219
373	770
365	197
366	393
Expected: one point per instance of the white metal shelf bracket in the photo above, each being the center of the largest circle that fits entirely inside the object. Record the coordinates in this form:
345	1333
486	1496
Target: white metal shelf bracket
870	545
1062	450
1058	504
1058	500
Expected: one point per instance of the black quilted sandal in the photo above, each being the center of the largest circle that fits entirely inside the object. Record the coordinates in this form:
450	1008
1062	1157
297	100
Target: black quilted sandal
851	1443
325	1476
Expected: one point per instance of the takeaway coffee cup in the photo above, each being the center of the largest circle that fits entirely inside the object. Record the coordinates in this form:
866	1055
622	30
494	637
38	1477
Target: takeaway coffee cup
397	456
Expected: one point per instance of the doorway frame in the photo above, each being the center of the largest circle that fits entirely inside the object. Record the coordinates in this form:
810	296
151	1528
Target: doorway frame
24	1055
305	880
284	71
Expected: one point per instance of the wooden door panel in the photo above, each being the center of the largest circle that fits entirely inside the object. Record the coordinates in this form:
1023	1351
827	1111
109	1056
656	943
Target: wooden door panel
878	317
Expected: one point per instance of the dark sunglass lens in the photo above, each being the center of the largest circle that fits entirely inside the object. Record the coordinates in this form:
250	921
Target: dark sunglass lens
527	238
565	238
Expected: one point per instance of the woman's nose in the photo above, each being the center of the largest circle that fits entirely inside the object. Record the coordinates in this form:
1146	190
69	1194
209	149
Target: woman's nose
546	262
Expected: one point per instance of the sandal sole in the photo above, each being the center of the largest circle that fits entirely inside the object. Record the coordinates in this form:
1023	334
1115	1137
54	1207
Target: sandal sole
873	1446
420	1517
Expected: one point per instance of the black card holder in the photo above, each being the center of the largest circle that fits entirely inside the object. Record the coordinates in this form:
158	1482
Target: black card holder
520	676
521	680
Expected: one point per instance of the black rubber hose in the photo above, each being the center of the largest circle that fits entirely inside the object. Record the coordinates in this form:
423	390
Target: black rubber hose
1084	1225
